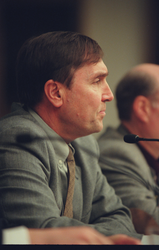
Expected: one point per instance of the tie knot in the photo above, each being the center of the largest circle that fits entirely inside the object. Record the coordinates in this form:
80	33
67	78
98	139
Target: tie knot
70	155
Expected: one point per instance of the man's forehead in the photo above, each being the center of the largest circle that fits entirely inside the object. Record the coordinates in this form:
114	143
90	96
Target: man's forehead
95	69
99	70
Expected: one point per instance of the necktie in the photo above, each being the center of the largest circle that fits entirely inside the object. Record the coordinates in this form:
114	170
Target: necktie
71	168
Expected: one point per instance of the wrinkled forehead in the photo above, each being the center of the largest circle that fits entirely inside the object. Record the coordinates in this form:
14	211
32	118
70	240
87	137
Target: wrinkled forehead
92	70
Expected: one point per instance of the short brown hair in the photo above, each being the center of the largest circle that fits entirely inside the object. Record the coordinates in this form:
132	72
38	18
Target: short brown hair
53	55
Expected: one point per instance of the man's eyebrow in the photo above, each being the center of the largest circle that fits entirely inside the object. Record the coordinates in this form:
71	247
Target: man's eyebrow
101	74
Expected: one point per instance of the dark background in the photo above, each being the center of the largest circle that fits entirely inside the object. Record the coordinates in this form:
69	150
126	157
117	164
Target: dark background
24	19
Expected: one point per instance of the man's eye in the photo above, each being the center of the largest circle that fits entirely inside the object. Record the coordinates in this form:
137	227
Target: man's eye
97	80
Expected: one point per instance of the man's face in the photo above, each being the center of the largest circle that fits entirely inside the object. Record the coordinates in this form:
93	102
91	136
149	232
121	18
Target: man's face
84	104
150	129
154	117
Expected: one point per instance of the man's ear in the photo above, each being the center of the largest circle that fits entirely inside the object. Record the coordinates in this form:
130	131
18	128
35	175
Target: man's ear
142	108
52	91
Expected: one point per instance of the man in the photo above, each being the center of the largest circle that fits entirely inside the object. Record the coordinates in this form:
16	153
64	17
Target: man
62	87
133	169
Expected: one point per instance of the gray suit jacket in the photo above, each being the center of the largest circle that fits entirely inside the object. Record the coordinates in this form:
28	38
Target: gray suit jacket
127	171
30	182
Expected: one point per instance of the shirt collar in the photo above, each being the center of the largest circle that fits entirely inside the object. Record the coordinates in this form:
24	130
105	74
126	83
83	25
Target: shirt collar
153	163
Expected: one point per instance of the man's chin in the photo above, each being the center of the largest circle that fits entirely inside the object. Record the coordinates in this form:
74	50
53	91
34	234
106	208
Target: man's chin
98	129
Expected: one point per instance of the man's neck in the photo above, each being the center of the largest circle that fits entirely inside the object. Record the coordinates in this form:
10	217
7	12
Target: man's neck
50	117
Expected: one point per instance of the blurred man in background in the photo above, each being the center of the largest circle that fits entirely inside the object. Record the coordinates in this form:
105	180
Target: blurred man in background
133	169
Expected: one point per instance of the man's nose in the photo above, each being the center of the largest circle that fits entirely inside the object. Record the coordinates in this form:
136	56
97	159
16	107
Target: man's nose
107	94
